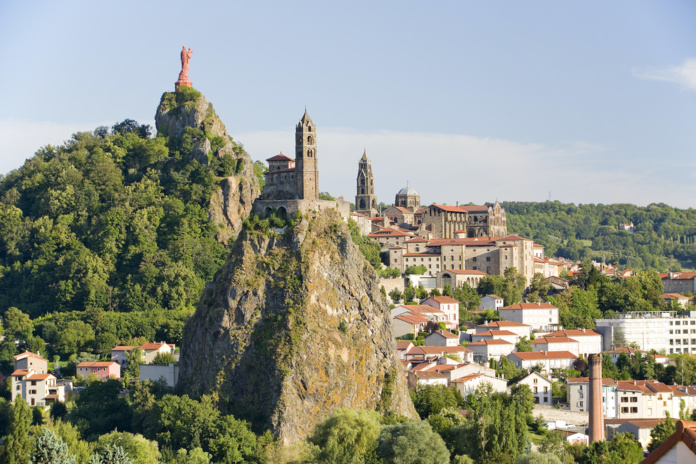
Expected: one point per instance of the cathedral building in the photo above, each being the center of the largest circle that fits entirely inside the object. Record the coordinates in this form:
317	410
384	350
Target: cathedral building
365	199
407	198
443	221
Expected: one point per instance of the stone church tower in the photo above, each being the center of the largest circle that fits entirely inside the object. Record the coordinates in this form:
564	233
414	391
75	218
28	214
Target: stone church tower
306	173
365	199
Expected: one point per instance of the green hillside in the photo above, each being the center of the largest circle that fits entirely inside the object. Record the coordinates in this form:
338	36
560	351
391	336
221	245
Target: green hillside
664	237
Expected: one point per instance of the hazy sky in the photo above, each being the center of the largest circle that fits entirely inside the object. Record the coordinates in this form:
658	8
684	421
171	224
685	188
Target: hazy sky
594	101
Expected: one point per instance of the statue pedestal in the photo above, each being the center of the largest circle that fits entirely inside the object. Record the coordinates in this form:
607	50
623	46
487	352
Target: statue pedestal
185	81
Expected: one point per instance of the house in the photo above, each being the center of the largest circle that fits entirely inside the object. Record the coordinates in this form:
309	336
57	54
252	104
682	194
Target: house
119	354
540	387
427	311
471	382
408	323
543	317
549	360
151	350
506	335
578	390
556	344
679	282
680	447
522	330
630	352
493	302
155	372
403	347
447	305
391	237
487	349
35	388
103	370
461	353
681	300
418	378
589	341
30	361
442	338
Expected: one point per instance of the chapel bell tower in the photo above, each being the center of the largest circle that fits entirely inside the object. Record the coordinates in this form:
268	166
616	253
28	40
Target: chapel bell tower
306	173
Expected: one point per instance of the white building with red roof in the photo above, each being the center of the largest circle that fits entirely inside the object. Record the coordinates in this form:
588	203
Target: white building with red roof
442	338
681	300
549	360
540	387
447	305
577	394
103	370
589	341
679	282
543	317
522	330
408	323
493	302
30	361
36	389
556	344
151	350
505	335
469	383
485	350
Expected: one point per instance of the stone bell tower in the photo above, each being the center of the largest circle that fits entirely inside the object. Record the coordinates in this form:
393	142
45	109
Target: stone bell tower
365	199
306	172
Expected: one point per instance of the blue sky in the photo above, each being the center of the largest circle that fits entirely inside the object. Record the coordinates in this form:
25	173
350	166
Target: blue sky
594	102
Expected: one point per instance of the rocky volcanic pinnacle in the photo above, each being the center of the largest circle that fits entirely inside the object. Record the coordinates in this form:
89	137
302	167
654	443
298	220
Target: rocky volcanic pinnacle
233	200
293	327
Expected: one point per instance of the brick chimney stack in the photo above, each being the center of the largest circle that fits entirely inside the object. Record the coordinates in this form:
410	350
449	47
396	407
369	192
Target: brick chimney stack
595	399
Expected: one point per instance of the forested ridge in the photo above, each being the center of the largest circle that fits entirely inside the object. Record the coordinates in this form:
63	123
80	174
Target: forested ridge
110	228
664	236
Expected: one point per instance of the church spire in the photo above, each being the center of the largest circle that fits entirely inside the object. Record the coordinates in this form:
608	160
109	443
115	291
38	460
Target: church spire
365	199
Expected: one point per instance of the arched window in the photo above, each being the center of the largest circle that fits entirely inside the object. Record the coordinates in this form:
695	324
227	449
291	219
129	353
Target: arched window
362	204
309	128
310	140
362	191
310	153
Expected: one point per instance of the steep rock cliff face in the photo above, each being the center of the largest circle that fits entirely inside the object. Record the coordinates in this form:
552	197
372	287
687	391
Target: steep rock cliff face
293	327
233	201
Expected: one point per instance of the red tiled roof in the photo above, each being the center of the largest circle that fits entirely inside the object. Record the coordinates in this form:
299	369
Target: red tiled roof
538	355
19	372
450	209
403	344
97	364
389	232
605	381
443	299
483	241
153	346
475	208
491	333
572	333
530	306
489	342
465	272
412	318
122	348
554	340
429	375
673	295
39	376
504	324
444	333
495	296
437	350
468	377
416	240
27	354
280	157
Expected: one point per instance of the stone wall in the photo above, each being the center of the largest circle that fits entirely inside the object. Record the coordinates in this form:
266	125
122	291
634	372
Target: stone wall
289	207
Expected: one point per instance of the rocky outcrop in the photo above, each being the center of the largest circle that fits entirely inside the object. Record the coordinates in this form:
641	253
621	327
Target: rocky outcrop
293	327
233	200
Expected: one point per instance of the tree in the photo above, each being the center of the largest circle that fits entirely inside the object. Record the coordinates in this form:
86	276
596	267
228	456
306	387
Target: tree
513	286
50	449
660	433
421	293
409	292
538	458
139	449
111	455
431	399
18	445
395	295
623	448
447	290
133	360
100	409
195	456
539	285
347	436
411	443
524	345
235	443
417	270
17	325
164	359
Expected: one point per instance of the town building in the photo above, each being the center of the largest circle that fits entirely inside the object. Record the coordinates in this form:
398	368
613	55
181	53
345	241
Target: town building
407	198
472	382
485	350
447	305
522	330
540	387
650	330
151	350
103	370
442	338
577	393
493	302
443	221
506	335
31	361
548	360
679	448
35	388
543	317
589	341
679	282
556	344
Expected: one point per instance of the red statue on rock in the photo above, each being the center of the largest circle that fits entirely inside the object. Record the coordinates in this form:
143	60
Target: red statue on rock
183	75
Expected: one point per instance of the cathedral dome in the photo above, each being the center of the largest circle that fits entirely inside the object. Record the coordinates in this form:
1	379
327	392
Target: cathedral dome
407	191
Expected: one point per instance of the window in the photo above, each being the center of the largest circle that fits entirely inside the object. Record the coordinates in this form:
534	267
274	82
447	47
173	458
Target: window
580	404
624	399
649	411
546	389
488	258
634	399
536	380
474	260
634	410
671	331
624	410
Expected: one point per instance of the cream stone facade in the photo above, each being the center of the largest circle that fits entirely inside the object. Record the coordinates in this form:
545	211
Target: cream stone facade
36	389
522	330
679	282
556	344
506	335
577	393
31	361
589	341
549	360
485	350
470	383
444	221
407	198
